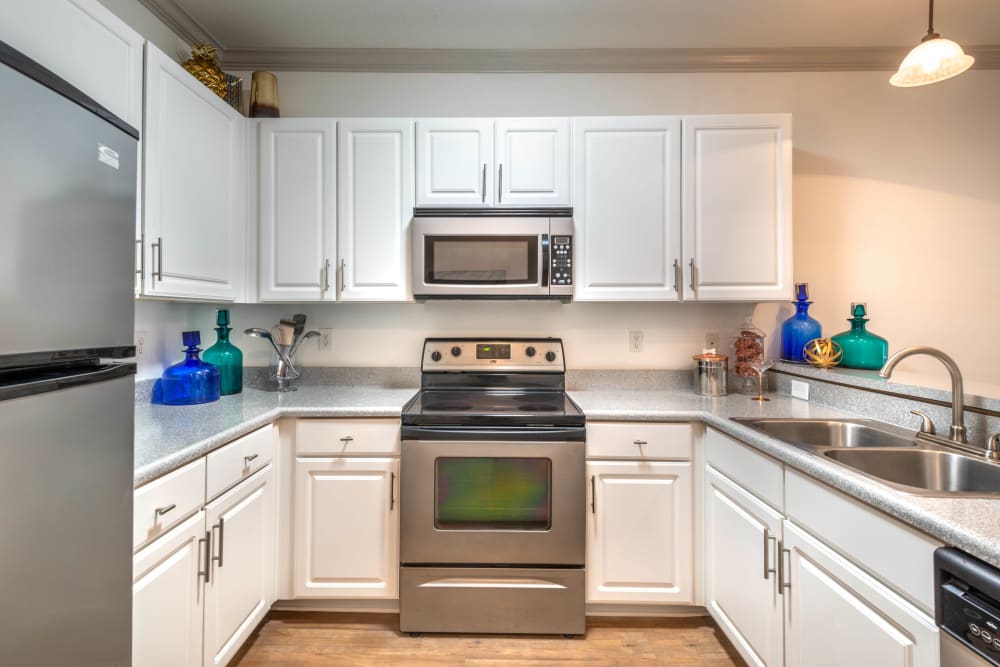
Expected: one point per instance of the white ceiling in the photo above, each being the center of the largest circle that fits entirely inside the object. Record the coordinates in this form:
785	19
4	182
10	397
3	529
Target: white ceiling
584	24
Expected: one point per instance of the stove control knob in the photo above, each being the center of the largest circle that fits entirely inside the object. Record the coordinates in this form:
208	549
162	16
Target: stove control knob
435	355
530	351
455	351
550	356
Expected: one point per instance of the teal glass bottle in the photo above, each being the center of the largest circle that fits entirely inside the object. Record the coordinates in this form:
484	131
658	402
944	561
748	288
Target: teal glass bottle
862	349
189	382
226	356
799	329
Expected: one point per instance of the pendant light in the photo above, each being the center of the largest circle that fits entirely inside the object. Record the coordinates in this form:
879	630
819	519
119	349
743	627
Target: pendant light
933	59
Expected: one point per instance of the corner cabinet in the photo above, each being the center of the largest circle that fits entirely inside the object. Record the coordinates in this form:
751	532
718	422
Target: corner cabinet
375	171
627	208
297	209
195	203
737	207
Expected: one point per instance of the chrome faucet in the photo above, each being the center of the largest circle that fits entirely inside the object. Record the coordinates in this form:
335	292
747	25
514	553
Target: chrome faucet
957	431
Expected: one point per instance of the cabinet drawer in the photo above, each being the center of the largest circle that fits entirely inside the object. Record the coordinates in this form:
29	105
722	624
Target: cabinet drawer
759	474
340	437
239	459
638	440
900	556
164	502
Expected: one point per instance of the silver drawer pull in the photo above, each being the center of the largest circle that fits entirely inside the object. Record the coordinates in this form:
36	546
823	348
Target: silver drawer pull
248	458
160	511
640	442
347	438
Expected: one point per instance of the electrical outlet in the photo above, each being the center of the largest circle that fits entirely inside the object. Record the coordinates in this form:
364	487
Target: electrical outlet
712	341
325	339
635	341
140	343
800	389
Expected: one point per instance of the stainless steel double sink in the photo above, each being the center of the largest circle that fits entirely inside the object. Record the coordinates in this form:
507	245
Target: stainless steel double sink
889	454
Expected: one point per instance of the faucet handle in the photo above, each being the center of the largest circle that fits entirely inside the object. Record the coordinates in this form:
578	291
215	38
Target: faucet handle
926	425
993	447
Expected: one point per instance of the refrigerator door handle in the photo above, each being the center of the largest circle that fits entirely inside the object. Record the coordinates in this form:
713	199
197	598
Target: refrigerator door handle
28	385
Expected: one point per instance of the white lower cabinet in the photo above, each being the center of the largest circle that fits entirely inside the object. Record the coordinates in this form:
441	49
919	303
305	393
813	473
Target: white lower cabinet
240	586
168	597
835	614
639	532
741	535
346	528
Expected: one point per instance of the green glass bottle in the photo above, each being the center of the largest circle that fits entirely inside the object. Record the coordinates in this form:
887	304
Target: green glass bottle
862	349
226	356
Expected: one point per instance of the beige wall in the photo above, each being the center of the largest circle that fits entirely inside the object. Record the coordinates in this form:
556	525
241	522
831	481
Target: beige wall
142	21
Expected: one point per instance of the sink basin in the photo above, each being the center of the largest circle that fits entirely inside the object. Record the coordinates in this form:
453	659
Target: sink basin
840	433
926	470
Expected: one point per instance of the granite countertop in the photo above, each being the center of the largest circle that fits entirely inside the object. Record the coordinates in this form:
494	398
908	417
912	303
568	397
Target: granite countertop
167	437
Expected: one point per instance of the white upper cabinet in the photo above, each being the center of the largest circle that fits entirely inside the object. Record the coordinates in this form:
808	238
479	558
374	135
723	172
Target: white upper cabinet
454	162
626	202
296	209
84	43
375	173
532	162
195	181
737	207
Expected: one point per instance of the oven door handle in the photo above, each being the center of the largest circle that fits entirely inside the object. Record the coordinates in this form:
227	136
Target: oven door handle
528	434
545	260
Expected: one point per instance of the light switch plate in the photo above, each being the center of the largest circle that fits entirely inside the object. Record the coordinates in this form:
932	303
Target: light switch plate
800	390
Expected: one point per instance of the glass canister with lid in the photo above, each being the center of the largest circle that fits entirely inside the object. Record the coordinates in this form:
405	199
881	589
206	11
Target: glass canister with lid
748	348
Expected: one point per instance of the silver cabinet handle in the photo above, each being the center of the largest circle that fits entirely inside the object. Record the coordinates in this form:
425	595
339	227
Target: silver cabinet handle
484	182
678	276
347	438
639	442
221	526
926	425
158	264
141	260
207	540
392	490
326	276
768	538
248	458
593	495
160	511
782	584
343	274
500	185
694	276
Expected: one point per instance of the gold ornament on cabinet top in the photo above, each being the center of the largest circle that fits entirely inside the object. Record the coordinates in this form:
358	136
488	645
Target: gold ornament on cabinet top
822	352
202	66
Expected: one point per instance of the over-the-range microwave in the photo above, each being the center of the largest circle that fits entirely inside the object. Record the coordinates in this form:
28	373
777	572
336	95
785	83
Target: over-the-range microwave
493	253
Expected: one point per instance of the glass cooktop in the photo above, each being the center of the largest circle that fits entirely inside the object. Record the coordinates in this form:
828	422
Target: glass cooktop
491	408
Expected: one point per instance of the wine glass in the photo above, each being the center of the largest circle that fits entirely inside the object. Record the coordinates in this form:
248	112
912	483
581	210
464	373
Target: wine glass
760	366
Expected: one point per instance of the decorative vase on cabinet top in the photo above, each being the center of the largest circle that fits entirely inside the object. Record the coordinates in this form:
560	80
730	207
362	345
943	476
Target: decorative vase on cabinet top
191	381
226	357
862	349
800	328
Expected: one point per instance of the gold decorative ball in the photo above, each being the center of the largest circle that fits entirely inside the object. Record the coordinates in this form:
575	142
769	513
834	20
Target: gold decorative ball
822	352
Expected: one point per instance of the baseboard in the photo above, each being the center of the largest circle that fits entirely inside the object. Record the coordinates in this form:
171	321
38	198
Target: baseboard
648	610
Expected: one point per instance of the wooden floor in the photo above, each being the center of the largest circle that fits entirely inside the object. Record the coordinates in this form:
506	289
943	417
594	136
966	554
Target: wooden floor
306	638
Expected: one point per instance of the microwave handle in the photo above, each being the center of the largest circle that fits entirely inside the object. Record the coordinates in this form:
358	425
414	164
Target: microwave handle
545	260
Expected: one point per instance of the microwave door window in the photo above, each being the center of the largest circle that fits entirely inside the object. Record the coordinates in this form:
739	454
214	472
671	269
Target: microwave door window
478	260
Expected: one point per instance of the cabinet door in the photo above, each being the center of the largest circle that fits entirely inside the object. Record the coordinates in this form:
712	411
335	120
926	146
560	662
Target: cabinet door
741	593
639	532
195	181
835	614
375	171
296	209
346	528
626	204
167	597
84	43
241	583
738	207
454	162
532	162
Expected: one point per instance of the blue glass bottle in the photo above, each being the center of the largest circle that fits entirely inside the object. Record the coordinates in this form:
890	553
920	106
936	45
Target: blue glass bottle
226	356
799	329
191	381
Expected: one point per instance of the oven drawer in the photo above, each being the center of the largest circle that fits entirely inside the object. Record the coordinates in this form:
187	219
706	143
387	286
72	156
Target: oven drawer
493	600
346	437
639	440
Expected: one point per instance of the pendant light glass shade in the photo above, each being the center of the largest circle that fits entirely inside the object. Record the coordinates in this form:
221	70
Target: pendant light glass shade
931	61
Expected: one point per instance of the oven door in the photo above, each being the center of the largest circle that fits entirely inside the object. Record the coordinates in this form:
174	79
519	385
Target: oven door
481	257
492	503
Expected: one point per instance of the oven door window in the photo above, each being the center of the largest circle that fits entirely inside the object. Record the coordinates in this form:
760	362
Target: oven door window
496	493
481	260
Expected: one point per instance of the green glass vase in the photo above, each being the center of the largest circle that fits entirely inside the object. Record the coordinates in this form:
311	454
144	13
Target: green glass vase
226	356
862	349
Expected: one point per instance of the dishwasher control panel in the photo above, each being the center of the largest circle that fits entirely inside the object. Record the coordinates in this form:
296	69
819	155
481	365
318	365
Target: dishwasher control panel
967	604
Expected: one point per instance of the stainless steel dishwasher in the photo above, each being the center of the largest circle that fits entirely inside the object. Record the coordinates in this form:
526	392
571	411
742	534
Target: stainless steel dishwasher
967	609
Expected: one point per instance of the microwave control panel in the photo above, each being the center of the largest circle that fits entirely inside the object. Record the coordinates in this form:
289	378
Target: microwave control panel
562	260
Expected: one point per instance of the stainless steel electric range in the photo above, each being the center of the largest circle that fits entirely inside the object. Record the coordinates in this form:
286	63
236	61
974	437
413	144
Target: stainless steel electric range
492	491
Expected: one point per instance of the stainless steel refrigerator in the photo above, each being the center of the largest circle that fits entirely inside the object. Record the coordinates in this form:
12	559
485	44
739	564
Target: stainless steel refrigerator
67	240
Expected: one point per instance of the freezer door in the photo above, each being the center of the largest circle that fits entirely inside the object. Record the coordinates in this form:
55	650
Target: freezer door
66	525
67	224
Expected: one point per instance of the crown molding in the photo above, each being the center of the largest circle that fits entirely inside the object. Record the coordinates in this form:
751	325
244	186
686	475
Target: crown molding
582	60
181	22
